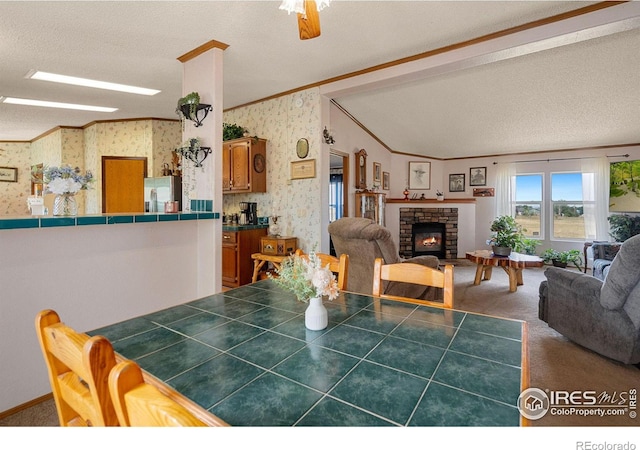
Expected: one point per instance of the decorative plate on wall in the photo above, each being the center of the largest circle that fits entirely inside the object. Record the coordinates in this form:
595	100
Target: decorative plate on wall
302	148
258	163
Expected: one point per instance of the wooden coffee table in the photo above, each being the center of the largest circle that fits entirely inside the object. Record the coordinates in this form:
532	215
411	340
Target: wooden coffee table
512	265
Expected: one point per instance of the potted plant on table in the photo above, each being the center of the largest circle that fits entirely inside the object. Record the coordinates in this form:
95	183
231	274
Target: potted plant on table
562	259
507	235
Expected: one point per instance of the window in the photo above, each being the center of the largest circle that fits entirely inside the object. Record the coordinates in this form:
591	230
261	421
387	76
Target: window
529	204
567	206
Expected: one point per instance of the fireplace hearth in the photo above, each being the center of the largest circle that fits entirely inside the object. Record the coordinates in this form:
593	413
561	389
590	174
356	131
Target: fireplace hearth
429	231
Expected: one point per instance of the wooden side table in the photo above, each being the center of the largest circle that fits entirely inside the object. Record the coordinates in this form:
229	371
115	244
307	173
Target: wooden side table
512	265
260	259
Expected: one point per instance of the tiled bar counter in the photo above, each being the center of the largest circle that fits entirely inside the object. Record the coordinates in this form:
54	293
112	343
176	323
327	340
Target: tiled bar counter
94	270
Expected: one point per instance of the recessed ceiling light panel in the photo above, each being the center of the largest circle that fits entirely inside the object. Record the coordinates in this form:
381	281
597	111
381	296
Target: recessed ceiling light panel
56	78
31	102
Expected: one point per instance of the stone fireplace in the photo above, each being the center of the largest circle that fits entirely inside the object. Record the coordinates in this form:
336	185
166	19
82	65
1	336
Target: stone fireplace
428	231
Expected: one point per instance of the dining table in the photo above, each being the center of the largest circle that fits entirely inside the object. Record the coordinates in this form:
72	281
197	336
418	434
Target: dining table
243	357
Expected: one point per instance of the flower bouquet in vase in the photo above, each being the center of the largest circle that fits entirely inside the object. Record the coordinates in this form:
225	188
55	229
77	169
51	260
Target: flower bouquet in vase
65	182
309	281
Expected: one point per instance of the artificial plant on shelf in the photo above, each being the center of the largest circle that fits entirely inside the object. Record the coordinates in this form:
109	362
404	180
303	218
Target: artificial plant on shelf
193	100
232	131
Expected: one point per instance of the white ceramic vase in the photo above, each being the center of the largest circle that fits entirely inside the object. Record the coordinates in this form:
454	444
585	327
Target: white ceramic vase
316	316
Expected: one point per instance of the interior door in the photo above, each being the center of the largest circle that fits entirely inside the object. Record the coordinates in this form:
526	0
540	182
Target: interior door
123	184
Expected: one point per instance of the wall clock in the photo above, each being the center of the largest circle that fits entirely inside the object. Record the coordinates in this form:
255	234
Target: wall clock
361	169
302	148
258	163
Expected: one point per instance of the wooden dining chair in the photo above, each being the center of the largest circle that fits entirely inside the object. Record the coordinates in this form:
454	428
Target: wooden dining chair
339	266
78	367
415	274
139	404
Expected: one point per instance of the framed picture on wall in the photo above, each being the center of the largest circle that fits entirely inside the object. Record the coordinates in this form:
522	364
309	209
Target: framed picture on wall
419	175
9	174
385	181
478	176
303	169
377	173
456	182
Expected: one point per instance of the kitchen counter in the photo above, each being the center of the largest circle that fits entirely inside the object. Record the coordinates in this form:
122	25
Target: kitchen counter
235	227
15	222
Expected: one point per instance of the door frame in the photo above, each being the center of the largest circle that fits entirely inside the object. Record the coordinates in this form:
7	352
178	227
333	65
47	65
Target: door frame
345	179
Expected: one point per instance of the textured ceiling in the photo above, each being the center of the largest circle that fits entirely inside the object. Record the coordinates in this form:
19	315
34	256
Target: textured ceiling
579	95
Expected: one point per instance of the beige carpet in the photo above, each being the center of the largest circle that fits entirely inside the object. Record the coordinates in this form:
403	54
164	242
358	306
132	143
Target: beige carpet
555	362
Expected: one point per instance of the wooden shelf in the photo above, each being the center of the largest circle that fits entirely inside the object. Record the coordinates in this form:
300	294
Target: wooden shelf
431	200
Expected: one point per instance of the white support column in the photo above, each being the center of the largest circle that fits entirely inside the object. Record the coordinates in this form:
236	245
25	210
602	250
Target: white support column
202	72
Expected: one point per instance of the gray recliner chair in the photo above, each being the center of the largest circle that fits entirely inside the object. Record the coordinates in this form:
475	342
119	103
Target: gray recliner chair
364	241
603	316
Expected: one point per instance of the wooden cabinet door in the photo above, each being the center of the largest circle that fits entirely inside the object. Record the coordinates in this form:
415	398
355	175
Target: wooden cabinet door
240	166
226	167
230	265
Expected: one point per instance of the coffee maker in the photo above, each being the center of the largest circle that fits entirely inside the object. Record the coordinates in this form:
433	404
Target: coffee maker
248	213
252	215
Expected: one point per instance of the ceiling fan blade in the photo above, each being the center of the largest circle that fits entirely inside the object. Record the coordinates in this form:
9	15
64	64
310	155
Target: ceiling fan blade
309	23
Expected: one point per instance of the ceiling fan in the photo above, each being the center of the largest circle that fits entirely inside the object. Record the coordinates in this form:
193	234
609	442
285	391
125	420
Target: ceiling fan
308	17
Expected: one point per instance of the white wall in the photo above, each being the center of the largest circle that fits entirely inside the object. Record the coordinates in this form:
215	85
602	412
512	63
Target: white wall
92	276
545	162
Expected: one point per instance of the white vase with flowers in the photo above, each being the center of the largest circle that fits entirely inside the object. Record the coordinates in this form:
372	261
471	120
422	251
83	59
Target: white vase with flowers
66	181
309	281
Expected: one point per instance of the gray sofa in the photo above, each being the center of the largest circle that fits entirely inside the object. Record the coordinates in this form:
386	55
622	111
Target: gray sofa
364	241
603	316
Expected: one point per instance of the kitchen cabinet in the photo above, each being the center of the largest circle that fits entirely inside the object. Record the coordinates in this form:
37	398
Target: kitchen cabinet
237	248
244	166
371	206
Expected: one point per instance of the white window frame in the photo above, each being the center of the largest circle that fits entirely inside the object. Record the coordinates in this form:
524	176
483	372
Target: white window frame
552	204
540	203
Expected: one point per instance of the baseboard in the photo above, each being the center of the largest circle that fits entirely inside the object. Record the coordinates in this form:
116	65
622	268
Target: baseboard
24	406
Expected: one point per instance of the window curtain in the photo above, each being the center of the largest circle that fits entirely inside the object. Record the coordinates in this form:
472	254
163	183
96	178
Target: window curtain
335	197
595	194
506	189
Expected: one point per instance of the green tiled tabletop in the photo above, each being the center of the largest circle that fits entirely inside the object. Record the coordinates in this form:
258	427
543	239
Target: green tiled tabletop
246	356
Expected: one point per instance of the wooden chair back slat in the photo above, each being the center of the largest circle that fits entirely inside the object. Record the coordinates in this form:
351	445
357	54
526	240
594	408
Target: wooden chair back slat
78	368
139	404
416	274
339	266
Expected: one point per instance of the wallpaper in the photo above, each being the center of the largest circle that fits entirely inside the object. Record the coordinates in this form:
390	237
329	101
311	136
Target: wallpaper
141	138
282	122
84	148
13	196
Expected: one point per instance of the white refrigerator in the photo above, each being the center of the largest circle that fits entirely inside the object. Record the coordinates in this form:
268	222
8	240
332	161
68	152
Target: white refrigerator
158	190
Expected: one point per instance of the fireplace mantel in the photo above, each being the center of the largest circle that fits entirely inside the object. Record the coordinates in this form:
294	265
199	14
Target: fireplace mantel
430	200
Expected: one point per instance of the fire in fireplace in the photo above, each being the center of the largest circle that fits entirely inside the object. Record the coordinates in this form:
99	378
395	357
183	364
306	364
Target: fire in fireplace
428	239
